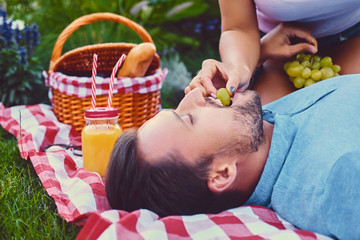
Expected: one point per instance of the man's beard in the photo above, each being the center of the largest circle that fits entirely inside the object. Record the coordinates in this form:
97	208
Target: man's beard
248	128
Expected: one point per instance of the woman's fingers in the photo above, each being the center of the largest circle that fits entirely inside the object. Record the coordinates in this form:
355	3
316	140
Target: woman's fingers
204	79
195	83
203	83
215	75
187	90
301	47
304	34
208	85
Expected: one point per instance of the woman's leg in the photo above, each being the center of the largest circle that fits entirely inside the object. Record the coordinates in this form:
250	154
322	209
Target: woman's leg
345	54
271	82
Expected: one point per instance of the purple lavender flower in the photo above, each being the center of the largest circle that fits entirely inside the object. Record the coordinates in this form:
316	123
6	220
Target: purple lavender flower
27	35
23	55
6	32
198	27
213	24
165	52
210	27
3	14
35	35
18	36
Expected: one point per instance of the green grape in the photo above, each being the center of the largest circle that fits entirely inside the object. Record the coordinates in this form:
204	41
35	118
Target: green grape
300	57
306	64
316	74
295	71
299	82
286	66
336	68
307	57
315	65
308	82
306	73
326	62
291	64
326	72
294	63
224	96
316	58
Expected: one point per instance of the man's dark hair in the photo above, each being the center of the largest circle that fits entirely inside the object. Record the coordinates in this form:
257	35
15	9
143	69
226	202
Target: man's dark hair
169	187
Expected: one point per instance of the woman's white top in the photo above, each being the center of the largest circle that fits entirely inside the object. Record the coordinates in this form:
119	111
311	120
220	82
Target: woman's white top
322	17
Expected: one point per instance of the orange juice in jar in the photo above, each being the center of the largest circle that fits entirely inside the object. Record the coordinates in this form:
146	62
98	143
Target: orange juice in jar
98	138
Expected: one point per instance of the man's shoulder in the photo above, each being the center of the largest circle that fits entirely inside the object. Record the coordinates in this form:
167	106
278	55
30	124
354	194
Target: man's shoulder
300	99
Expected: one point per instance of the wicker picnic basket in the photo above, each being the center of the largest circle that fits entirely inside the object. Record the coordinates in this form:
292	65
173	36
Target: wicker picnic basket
134	108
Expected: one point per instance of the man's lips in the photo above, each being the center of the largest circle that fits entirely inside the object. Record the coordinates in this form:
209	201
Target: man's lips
236	99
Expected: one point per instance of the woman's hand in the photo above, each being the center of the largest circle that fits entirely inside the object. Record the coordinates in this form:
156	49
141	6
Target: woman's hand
277	43
214	75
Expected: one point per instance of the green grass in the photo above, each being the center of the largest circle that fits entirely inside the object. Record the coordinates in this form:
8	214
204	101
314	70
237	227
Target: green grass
26	210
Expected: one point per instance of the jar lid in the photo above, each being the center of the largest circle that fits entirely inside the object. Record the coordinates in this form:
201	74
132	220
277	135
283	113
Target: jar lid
101	112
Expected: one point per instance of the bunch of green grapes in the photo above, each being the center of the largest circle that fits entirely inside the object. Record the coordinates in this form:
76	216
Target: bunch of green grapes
308	69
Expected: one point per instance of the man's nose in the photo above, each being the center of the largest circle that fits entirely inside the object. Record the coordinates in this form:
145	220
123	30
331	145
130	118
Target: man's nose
193	99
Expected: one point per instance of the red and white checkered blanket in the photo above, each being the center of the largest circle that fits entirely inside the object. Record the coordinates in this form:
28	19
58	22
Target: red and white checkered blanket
80	196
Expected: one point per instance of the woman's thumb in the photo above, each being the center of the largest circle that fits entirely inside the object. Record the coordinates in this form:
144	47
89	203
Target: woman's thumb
235	85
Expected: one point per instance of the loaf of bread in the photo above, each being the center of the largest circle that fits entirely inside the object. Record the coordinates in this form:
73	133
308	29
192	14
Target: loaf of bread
137	60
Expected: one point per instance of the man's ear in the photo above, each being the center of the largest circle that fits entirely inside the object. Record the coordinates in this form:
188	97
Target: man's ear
222	176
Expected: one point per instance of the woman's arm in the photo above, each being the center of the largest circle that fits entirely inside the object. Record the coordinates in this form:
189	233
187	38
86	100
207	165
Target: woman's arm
239	41
239	49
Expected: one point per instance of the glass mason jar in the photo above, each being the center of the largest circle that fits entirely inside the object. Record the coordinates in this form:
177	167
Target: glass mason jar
98	138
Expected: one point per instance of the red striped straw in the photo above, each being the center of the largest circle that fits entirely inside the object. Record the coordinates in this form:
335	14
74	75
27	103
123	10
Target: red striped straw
93	85
111	85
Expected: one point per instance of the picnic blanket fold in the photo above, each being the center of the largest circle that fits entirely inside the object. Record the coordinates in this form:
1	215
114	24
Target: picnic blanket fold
80	195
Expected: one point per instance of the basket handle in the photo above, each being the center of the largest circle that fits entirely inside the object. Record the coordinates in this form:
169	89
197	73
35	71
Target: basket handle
95	17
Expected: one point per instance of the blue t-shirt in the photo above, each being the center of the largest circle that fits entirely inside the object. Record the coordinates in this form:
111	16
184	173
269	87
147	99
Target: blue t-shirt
312	174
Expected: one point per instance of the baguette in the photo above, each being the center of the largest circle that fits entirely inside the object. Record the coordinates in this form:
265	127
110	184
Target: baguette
137	60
